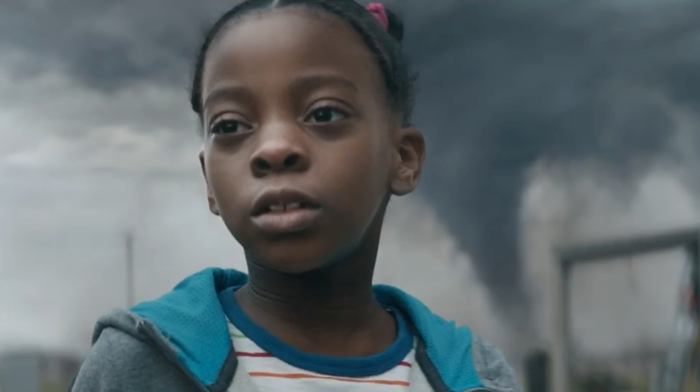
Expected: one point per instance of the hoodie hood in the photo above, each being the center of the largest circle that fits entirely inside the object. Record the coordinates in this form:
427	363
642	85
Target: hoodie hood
193	330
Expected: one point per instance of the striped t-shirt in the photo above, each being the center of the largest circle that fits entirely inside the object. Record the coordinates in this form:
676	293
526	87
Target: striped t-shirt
270	374
274	366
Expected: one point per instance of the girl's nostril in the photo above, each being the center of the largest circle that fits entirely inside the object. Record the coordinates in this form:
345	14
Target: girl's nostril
291	160
262	164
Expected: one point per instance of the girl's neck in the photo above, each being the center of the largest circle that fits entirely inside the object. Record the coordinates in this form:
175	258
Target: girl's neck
336	296
331	311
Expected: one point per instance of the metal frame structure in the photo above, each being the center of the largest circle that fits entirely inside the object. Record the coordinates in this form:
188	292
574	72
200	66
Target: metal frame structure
568	257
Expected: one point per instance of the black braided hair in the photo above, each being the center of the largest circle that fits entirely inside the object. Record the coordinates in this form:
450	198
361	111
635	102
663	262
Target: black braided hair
385	45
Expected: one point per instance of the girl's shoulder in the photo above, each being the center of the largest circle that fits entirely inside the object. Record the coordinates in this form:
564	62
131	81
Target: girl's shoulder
119	361
494	371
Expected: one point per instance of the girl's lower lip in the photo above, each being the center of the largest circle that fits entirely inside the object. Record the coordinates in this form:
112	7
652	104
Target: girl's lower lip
282	222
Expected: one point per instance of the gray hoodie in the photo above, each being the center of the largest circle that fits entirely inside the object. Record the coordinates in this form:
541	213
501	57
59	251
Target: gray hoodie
181	343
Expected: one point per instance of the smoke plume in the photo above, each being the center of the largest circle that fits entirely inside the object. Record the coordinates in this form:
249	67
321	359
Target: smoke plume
504	86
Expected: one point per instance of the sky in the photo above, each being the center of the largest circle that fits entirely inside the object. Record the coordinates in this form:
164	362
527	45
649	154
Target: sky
546	124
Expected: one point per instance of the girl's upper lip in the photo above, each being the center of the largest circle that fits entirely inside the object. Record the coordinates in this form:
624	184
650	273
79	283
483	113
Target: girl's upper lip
274	196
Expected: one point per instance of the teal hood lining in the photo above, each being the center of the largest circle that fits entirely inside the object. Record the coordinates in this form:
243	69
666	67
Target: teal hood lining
192	320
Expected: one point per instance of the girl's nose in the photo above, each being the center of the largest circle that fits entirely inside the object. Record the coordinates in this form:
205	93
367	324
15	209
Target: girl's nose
278	152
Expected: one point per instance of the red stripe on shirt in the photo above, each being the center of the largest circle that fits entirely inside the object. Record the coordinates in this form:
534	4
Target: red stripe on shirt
245	354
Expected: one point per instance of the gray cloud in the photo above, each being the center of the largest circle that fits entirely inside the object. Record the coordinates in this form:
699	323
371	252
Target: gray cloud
107	45
502	86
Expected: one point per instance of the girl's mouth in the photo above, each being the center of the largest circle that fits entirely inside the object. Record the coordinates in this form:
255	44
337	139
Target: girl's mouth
286	219
283	211
282	207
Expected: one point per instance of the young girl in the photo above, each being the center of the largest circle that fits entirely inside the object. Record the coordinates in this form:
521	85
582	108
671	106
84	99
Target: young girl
305	107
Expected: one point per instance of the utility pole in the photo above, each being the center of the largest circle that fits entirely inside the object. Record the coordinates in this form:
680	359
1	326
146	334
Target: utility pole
129	242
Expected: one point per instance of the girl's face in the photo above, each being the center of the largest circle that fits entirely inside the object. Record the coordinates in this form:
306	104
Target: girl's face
301	149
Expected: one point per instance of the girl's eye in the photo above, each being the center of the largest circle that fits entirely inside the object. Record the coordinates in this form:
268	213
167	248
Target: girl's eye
326	115
228	127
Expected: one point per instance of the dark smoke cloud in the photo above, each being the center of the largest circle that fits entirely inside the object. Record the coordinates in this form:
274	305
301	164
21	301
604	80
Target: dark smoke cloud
502	86
505	85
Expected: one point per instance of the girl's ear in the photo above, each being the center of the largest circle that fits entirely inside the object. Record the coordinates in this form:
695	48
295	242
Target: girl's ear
408	159
213	207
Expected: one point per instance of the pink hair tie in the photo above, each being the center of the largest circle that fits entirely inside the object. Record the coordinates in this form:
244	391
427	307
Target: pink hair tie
377	10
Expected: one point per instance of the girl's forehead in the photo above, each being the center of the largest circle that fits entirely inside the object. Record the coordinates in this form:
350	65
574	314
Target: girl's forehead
289	40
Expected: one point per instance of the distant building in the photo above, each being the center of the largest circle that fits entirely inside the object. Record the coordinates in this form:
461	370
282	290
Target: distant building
32	371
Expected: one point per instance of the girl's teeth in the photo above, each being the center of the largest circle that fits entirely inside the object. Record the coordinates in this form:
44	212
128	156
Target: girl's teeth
285	207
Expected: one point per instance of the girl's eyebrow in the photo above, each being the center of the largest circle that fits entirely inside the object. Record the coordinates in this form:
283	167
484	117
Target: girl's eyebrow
301	83
231	91
313	81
